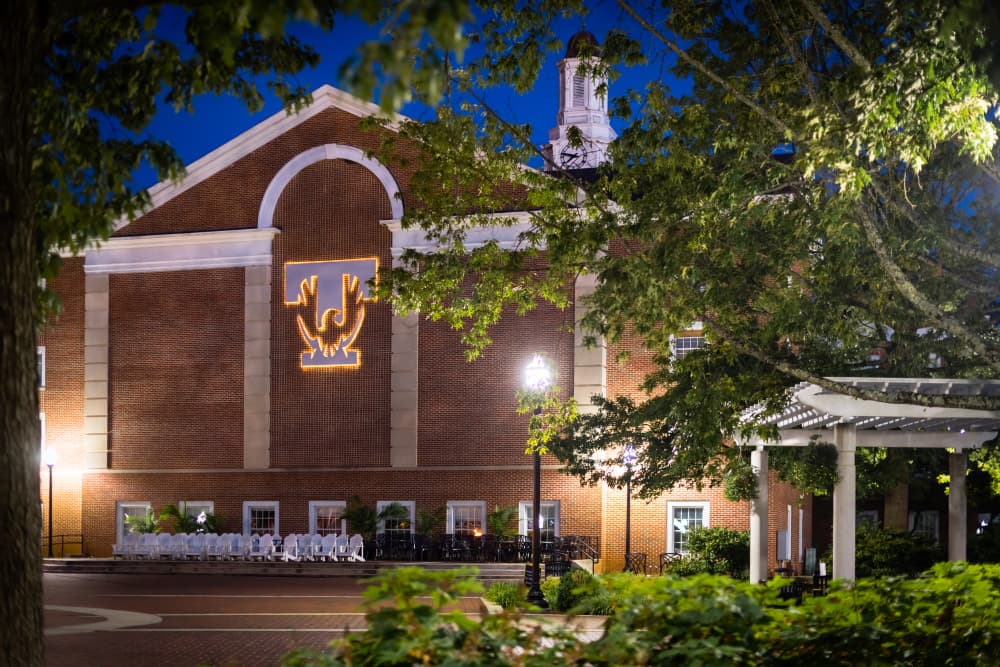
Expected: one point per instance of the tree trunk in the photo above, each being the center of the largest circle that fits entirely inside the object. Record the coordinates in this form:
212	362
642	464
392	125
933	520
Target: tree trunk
20	512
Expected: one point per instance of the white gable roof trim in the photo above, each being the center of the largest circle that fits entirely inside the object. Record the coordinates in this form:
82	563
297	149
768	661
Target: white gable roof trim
325	97
265	218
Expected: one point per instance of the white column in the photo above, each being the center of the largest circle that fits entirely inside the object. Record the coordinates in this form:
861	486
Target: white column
957	506
97	309
590	364
758	517
403	397
845	438
257	367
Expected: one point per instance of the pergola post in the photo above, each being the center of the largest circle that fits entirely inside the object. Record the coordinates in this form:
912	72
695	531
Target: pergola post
758	517
957	506
845	438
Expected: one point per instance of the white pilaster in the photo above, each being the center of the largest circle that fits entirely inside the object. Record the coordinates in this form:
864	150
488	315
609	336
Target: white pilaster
845	438
403	399
758	517
97	309
257	367
590	364
957	506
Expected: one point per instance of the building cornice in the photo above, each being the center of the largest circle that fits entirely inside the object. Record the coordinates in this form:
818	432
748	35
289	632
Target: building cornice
176	252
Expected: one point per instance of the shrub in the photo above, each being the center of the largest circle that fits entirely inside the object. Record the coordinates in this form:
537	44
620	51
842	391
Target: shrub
883	552
715	551
550	590
573	587
507	594
948	616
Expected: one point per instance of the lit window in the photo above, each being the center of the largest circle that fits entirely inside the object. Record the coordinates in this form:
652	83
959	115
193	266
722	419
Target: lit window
549	520
683	518
41	367
685	344
466	518
260	517
124	510
193	508
324	516
396	525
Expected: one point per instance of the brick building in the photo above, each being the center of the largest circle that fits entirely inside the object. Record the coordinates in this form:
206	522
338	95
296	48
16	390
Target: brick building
222	351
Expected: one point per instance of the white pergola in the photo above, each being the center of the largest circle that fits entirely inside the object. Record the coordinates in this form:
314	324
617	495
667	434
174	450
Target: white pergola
854	423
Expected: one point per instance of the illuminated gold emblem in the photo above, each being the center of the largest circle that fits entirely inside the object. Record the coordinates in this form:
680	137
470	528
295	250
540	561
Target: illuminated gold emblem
337	291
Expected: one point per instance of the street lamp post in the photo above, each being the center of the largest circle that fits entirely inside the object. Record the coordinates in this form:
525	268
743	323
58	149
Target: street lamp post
628	458
537	378
50	461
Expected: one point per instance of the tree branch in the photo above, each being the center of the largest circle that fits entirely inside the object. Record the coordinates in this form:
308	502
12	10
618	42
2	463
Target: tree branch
785	130
978	402
836	35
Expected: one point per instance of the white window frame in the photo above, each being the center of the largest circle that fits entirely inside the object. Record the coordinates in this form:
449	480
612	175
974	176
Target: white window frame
524	520
41	367
315	505
120	510
926	514
452	504
263	504
411	505
672	505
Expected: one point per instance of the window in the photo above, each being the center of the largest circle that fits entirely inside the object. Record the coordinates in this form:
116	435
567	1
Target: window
682	345
549	521
682	519
193	508
324	516
579	91
396	526
260	516
125	509
41	367
925	523
466	518
868	516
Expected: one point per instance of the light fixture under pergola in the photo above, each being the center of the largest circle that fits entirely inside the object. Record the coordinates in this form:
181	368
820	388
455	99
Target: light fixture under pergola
852	423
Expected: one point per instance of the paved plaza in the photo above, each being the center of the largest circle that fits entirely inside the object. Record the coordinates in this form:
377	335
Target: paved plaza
106	620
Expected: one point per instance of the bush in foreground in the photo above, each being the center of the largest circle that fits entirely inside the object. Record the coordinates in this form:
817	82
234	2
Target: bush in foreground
947	616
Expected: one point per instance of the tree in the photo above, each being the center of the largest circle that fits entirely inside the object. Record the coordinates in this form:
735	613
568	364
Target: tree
816	183
79	83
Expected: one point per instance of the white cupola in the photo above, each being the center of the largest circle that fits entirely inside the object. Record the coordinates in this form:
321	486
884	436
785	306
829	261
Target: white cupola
580	106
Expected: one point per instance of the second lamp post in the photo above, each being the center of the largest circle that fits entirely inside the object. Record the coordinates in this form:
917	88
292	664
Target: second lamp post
537	380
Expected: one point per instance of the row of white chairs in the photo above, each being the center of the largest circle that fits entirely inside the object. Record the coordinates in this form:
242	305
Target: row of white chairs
236	546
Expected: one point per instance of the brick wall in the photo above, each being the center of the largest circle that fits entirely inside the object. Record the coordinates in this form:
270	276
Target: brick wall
176	369
330	416
468	409
62	400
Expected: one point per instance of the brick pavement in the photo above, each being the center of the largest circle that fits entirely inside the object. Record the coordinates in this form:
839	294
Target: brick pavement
222	621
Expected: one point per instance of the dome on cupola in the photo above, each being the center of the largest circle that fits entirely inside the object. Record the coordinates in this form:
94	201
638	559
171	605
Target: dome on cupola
582	43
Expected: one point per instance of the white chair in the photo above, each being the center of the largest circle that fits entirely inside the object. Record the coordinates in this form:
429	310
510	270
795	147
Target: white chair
291	548
146	546
341	548
357	549
305	547
316	551
214	546
127	548
178	548
239	547
195	546
326	549
163	545
260	547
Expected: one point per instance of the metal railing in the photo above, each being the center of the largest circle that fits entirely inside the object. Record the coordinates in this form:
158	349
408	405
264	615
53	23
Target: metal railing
66	544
